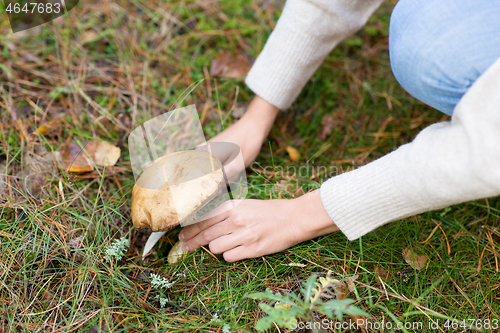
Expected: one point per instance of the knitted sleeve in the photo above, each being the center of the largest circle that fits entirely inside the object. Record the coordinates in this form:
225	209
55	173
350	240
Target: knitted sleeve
447	163
304	35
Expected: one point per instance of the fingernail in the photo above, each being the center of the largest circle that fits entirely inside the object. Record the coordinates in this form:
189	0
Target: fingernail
185	249
181	237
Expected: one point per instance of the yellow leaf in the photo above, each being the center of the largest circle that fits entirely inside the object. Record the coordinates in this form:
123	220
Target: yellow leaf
280	305
99	152
106	154
294	153
44	128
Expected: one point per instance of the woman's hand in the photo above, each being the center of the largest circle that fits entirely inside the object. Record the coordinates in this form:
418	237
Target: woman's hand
253	228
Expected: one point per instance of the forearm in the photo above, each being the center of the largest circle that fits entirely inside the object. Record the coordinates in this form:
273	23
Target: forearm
260	117
447	163
305	33
311	216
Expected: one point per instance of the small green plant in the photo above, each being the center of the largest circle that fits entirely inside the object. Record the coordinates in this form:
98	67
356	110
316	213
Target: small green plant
318	295
225	327
160	284
117	249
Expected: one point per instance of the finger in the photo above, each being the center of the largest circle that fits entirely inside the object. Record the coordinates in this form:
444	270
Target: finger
224	207
219	230
227	241
193	230
214	216
237	253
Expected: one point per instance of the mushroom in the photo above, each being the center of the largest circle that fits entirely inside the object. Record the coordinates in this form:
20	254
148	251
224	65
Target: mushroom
174	188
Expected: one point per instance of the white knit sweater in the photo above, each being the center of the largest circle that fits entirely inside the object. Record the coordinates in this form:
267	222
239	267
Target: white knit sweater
447	163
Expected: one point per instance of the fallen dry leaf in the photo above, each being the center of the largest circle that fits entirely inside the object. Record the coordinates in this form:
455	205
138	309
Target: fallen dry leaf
343	288
105	154
100	153
328	123
76	242
229	65
340	289
75	160
47	127
414	260
380	271
36	170
359	320
350	282
295	264
88	37
294	153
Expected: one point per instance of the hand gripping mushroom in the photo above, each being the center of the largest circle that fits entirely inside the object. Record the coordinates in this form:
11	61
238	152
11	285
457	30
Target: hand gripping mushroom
171	190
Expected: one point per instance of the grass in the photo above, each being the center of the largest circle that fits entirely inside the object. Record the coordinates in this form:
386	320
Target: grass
109	66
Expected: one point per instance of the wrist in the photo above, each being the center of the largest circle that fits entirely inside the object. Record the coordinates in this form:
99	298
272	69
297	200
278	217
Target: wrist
311	216
260	117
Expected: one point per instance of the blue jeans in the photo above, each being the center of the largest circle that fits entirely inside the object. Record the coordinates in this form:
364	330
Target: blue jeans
438	48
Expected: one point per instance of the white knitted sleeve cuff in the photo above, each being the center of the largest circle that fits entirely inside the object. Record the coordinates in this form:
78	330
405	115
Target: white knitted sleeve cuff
286	63
304	35
361	200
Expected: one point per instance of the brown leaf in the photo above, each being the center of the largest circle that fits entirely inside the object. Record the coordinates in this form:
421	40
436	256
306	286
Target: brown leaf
341	290
88	37
329	122
414	260
229	65
36	170
350	282
359	320
281	142
380	271
327	126
77	160
294	153
76	242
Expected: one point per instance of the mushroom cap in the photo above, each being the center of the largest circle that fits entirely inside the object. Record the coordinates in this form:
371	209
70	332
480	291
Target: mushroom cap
174	187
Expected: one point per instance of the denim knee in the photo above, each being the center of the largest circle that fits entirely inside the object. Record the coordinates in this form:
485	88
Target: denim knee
438	48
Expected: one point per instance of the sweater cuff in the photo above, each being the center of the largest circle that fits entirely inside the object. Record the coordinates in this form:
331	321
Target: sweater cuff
361	200
284	66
